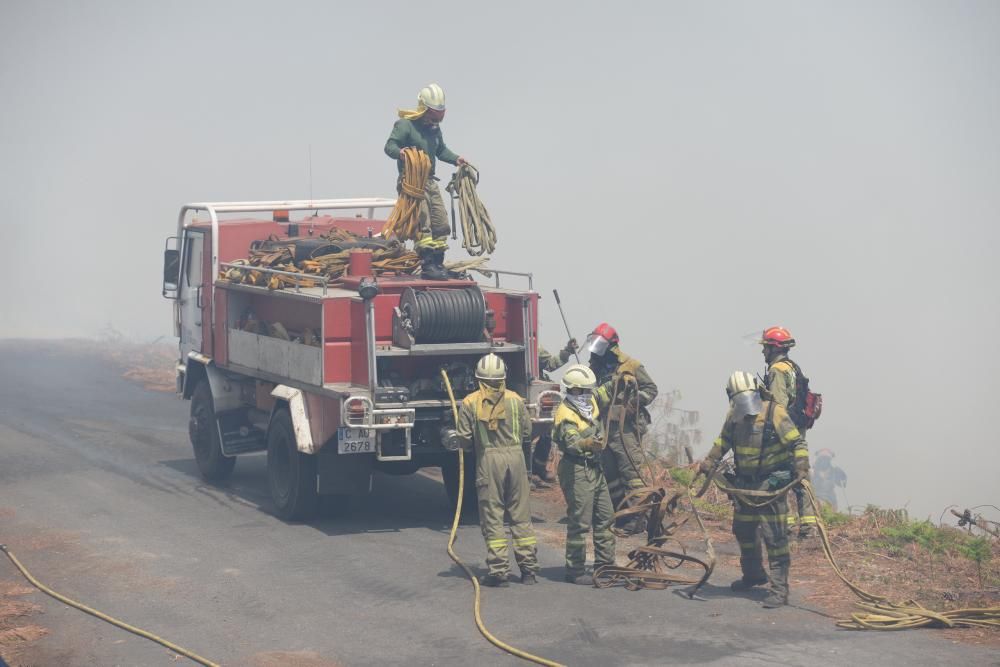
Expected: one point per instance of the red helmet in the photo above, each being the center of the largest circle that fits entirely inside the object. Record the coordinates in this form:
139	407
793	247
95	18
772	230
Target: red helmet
601	338
825	453
606	331
778	336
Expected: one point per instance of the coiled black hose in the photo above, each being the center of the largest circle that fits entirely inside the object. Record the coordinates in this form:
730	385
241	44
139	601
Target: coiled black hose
444	315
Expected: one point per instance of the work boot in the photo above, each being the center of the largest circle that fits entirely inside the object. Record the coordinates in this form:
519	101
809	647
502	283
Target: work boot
774	600
805	532
580	579
542	472
539	483
494	581
439	262
778	596
528	579
430	269
745	584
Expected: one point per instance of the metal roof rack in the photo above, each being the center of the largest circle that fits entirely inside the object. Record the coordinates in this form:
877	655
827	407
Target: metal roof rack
215	208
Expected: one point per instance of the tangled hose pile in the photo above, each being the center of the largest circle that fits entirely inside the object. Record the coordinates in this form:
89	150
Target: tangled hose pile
478	234
404	221
388	257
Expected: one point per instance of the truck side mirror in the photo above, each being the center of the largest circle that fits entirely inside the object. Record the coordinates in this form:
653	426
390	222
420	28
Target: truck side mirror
171	272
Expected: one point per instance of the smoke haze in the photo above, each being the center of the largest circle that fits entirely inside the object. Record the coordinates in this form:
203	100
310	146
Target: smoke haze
688	172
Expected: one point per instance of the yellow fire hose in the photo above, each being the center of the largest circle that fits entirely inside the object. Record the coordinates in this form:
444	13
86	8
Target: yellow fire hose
478	234
404	220
524	655
879	613
104	617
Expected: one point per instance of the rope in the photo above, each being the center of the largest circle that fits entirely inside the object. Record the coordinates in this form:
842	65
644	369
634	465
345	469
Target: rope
478	234
104	617
404	220
524	655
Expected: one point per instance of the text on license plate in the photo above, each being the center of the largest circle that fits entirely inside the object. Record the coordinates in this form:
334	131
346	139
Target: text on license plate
355	440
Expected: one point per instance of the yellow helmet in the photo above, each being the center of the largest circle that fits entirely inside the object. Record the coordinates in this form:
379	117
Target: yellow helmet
432	97
579	376
491	367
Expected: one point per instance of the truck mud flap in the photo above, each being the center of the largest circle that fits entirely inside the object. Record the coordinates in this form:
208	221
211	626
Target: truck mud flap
238	435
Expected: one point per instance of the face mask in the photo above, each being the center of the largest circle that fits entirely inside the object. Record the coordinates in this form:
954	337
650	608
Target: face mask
746	403
582	403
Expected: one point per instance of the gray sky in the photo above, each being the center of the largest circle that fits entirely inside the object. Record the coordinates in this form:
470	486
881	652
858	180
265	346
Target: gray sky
689	172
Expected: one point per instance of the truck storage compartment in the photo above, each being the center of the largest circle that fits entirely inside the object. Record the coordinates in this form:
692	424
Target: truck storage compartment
276	334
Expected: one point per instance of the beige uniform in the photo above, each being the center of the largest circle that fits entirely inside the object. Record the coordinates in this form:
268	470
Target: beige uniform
497	431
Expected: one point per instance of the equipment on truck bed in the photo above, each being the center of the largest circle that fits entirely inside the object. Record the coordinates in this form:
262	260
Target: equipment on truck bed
313	340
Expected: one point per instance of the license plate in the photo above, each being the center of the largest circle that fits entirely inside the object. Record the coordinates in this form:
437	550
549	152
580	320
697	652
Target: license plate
355	440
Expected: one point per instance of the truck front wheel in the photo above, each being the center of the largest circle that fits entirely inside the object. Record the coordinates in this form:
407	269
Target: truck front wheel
204	433
290	473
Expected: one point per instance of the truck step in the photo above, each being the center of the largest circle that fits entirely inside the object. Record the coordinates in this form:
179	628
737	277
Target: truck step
239	436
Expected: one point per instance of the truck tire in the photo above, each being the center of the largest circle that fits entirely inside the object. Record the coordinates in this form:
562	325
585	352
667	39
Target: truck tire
291	475
449	474
204	433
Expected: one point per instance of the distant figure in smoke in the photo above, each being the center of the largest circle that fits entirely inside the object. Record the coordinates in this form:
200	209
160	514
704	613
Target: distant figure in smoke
826	477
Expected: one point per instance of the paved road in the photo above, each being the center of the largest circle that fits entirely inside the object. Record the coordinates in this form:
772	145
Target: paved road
100	497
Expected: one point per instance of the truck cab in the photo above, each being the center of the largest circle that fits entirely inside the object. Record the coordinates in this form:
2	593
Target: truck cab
334	375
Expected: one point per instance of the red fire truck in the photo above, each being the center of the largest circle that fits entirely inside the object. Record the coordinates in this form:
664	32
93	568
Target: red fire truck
362	391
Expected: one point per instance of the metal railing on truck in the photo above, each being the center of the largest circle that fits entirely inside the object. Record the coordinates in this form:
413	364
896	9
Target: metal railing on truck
214	209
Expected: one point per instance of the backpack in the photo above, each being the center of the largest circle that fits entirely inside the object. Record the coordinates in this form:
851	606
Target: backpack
808	406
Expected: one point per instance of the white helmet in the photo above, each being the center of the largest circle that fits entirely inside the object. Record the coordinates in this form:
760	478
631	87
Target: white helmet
579	376
491	367
742	389
432	97
741	381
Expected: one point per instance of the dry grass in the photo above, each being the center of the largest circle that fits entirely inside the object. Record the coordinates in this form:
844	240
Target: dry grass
16	630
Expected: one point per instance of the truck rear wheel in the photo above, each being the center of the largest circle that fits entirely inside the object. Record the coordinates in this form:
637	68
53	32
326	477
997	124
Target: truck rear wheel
449	474
290	473
204	433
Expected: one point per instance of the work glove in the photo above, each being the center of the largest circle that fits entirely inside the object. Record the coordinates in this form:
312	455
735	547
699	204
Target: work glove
567	352
589	439
802	468
706	465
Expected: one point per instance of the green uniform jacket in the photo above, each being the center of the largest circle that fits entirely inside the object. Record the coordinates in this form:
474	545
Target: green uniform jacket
512	430
414	134
781	381
785	447
574	434
647	388
549	362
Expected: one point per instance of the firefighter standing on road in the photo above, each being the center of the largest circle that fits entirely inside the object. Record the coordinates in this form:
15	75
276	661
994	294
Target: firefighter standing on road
539	462
578	434
496	422
421	128
780	382
623	455
765	443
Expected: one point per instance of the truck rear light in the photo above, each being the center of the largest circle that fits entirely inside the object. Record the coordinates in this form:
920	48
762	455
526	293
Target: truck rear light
356	412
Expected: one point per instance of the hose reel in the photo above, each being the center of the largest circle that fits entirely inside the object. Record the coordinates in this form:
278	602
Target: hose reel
439	316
